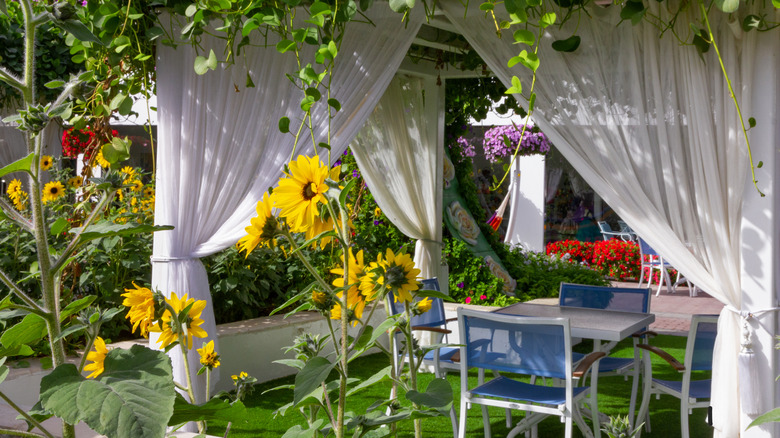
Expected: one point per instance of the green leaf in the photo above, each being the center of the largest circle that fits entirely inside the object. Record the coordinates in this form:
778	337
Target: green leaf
434	294
547	20
531	102
203	65
524	36
29	330
292	363
381	375
20	165
249	82
401	5
529	60
634	11
311	376
116	101
487	6
320	8
19	350
516	87
59	226
76	306
335	104
752	122
760	164
3	7
727	6
285	46
284	125
438	395
214	409
772	416
3	369
313	93
116	151
776	4
106	229
54	84
75	328
133	397
78	30
298	431
568	45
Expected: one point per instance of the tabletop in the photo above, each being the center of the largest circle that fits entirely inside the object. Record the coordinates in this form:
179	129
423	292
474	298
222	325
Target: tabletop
598	324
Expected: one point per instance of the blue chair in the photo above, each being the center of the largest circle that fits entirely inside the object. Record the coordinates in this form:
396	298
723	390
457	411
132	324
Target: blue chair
698	357
433	321
622	299
521	345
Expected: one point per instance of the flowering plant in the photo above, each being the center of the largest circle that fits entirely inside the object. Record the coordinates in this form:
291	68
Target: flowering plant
502	141
311	199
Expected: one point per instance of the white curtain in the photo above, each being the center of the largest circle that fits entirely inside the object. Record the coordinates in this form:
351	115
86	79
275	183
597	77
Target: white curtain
399	156
554	176
652	129
220	147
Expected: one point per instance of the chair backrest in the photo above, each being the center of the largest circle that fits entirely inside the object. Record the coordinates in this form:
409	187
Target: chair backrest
517	344
604	227
624	299
701	342
432	318
624	228
645	249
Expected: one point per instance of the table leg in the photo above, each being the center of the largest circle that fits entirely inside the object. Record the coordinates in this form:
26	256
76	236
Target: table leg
594	405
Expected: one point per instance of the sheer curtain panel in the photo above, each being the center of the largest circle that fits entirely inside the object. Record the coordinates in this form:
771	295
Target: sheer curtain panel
653	130
399	155
220	148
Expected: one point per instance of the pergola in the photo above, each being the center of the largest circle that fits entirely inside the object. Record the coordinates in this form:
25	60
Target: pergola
646	123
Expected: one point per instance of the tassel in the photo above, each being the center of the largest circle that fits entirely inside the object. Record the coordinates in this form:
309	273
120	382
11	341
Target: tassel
748	375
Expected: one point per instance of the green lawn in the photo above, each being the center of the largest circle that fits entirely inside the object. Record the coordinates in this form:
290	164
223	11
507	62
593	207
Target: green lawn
614	394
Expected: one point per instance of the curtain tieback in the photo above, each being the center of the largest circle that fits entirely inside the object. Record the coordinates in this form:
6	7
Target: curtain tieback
166	259
435	242
748	375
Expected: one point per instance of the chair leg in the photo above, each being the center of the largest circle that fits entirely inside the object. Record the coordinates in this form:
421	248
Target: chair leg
486	421
634	391
462	423
454	420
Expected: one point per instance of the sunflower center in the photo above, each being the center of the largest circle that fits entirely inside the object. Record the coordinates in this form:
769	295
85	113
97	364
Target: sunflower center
309	191
395	276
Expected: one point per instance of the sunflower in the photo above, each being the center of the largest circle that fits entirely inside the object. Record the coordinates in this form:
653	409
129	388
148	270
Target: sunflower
129	171
148	192
20	203
377	212
14	189
298	196
424	305
262	229
169	333
74	182
135	185
399	276
356	298
141	303
101	160
208	357
97	357
53	191
46	162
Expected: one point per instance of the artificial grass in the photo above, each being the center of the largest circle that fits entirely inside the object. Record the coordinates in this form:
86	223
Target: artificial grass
614	394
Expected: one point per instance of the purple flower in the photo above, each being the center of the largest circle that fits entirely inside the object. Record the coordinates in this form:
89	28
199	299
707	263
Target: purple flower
377	222
461	285
501	141
355	173
337	162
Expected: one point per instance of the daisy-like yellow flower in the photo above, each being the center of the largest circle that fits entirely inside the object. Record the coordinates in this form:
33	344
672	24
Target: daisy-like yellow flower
74	182
141	303
241	375
46	162
377	212
52	191
319	297
424	305
356	299
129	171
148	192
299	195
208	357
14	190
98	357
400	275
167	328
135	185
101	161
20	203
262	229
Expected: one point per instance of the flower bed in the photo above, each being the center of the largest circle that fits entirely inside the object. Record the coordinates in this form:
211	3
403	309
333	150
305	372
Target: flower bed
613	258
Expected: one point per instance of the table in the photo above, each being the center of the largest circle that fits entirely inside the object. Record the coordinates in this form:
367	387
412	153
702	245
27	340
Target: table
597	324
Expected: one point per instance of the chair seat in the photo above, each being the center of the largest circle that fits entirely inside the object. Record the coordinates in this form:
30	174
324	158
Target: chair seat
607	364
504	387
445	354
699	388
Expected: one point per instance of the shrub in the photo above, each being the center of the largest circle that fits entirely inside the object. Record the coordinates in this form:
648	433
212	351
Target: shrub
539	275
471	281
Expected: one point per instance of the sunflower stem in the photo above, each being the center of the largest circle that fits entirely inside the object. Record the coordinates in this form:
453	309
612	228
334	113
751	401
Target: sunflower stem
27	417
190	393
412	363
90	344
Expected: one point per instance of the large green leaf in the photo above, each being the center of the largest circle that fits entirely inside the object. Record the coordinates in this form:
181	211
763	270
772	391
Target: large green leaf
107	229
438	395
214	409
76	306
132	398
78	30
20	165
29	330
311	376
727	6
772	416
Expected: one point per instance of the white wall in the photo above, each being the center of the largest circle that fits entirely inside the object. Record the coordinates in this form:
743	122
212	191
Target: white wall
526	214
